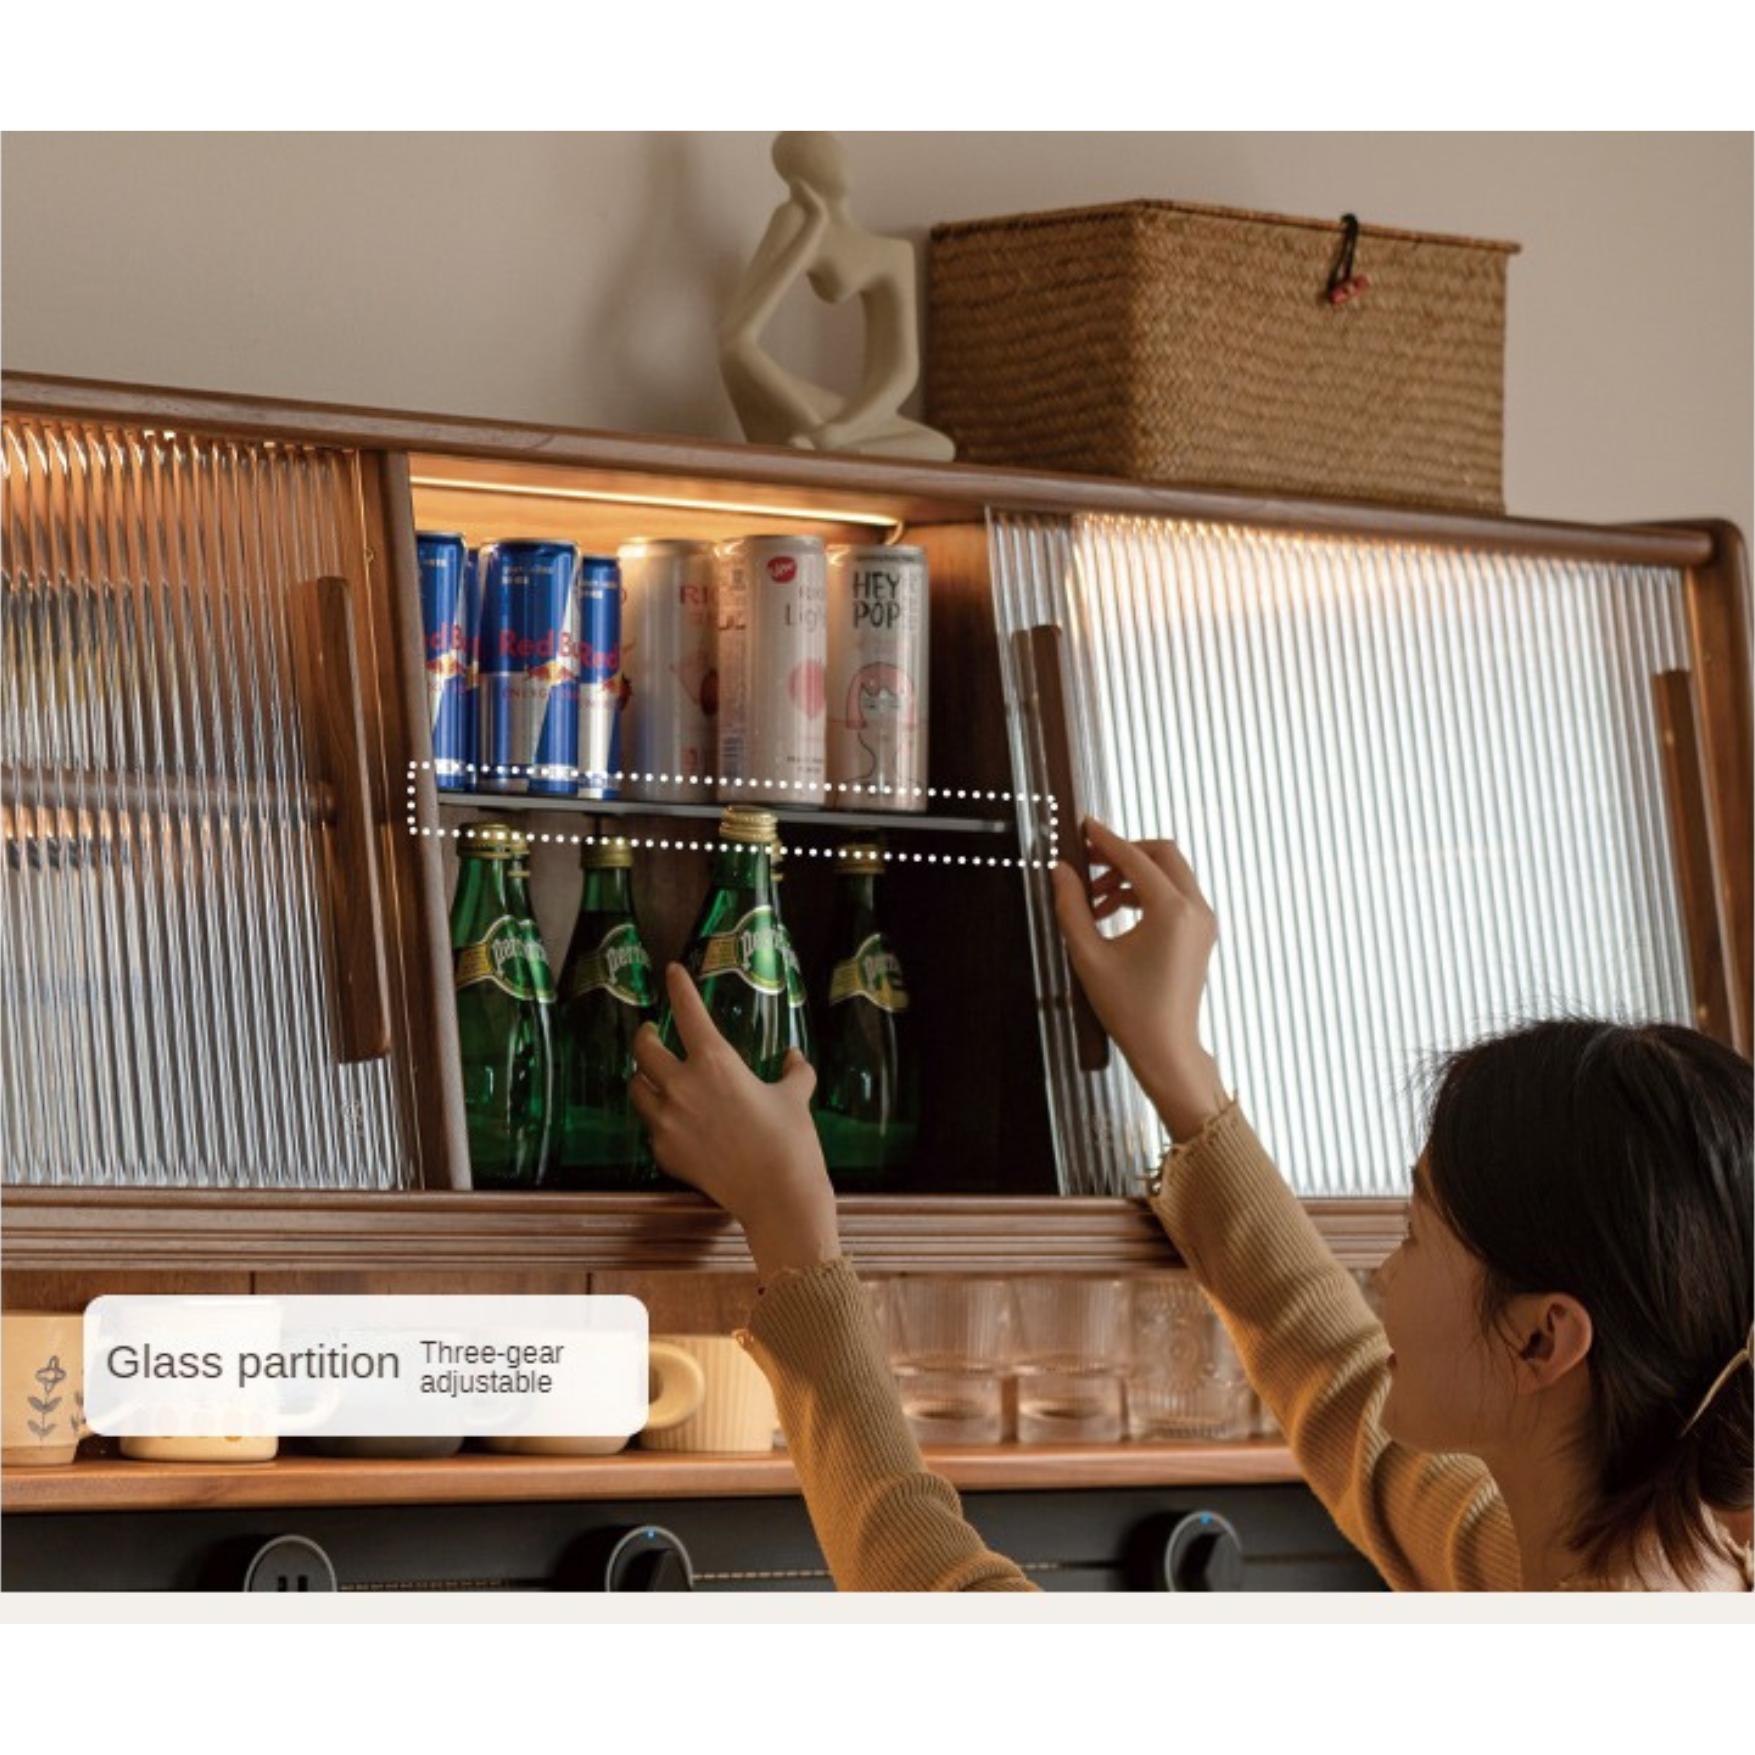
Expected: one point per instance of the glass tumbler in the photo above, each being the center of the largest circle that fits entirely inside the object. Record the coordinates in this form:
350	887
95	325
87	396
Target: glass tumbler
951	1347
1186	1380
1073	1347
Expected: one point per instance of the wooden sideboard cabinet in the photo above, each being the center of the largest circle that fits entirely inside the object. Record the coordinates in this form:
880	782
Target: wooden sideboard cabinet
218	727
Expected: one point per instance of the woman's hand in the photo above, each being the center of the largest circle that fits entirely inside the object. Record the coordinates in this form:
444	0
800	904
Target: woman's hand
1146	983
749	1145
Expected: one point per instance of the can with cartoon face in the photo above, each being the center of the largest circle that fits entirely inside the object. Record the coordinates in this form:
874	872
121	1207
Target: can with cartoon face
878	655
771	596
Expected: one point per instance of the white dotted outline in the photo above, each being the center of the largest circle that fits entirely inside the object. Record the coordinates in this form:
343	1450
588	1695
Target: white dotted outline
971	794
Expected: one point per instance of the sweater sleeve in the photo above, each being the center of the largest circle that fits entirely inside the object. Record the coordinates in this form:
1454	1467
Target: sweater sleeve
1318	1358
884	1521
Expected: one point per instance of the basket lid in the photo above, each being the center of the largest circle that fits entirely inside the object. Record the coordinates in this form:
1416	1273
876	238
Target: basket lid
1205	210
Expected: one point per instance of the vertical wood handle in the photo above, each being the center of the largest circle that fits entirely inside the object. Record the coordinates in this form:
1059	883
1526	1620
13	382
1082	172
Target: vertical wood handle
329	696
1043	646
1717	595
1691	837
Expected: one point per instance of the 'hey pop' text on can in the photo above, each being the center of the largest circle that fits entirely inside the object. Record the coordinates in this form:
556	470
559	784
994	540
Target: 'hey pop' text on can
878	657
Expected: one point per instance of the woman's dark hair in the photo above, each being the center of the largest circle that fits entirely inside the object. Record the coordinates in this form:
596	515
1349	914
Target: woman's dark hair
1612	1163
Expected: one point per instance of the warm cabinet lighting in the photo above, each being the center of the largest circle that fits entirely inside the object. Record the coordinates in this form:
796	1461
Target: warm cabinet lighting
892	528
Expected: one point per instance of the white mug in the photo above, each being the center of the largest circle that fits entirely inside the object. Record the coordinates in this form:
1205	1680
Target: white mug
254	1447
676	1384
736	1412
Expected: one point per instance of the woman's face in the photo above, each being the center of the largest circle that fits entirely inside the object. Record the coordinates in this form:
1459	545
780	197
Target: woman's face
1451	1385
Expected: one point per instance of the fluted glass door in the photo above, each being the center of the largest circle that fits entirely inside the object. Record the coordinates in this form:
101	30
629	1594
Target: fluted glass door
1422	787
169	1013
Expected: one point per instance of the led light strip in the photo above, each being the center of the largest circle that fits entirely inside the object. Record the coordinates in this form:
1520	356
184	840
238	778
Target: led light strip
745	508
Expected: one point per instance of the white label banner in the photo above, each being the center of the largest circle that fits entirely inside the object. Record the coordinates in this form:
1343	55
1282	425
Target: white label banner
366	1367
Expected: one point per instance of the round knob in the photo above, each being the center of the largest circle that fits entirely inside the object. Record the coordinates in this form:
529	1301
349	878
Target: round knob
648	1558
1203	1553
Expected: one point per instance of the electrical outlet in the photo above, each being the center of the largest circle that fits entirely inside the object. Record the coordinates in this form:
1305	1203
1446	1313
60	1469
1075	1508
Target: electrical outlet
292	1564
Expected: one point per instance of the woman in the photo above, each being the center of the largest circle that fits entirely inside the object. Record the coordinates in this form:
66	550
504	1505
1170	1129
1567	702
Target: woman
1559	1393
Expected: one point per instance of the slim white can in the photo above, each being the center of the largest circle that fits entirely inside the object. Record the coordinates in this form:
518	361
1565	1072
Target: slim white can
878	657
669	724
772	594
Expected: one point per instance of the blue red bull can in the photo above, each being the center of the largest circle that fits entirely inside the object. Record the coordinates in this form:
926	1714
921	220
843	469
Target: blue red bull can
528	702
472	622
599	590
448	621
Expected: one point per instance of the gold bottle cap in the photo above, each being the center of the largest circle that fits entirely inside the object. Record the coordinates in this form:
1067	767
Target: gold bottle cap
493	841
858	858
743	822
614	855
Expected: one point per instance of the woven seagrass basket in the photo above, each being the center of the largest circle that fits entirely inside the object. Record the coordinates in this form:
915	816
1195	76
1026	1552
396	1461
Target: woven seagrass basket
1164	341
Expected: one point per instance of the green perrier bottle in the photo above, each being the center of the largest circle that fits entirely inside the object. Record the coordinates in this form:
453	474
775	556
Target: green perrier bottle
505	1011
797	1005
608	991
868	1097
739	949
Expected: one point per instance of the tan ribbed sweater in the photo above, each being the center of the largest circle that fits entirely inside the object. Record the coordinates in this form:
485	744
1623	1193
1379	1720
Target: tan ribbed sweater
1312	1347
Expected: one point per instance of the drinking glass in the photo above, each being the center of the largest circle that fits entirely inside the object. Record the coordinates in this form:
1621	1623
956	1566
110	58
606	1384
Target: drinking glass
951	1346
1186	1380
1073	1347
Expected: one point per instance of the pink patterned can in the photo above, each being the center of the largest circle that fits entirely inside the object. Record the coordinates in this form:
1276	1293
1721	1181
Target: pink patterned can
772	594
878	657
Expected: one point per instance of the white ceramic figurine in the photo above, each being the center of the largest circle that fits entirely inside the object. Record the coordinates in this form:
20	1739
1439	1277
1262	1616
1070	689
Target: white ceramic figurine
813	235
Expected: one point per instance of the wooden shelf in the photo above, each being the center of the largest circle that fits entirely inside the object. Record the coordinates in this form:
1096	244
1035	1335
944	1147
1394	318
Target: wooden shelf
190	1232
118	1485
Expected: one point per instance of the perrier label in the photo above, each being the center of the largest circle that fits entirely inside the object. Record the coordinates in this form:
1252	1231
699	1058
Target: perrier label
510	954
753	949
873	973
618	966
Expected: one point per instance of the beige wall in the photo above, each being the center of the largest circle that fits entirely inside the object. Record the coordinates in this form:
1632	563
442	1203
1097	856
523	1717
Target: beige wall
575	278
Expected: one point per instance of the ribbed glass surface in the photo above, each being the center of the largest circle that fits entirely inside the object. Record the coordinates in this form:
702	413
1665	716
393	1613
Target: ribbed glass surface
163	977
1420	787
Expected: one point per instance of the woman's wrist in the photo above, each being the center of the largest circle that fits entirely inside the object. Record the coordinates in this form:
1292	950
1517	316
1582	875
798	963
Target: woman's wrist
798	1229
776	1249
1189	1100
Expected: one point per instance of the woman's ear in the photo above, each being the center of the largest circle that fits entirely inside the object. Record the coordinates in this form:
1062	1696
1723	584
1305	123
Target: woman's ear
1550	1337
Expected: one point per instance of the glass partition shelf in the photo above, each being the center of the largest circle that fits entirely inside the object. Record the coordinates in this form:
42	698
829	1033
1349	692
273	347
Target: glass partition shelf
476	803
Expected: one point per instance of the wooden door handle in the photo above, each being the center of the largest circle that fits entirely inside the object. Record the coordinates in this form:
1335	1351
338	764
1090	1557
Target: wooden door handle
1687	795
329	697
